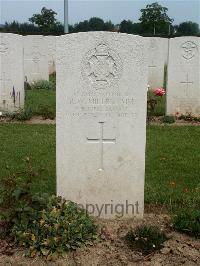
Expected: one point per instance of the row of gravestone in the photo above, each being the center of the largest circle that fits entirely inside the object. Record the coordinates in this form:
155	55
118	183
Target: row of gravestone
23	58
102	82
33	57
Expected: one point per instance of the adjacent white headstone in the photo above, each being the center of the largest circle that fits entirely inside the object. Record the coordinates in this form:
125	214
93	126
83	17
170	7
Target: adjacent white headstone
11	72
183	89
101	122
51	44
157	59
35	58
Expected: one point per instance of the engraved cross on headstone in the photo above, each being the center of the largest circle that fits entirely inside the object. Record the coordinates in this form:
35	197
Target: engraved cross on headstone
187	83
102	141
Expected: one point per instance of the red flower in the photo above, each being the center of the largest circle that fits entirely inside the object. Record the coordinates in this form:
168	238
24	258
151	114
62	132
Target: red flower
159	92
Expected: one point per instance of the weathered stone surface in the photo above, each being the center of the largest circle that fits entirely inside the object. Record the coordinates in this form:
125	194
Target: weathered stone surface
157	59
51	44
101	122
183	90
11	72
35	58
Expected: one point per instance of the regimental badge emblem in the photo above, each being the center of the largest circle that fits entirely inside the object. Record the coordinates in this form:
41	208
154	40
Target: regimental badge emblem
189	50
102	66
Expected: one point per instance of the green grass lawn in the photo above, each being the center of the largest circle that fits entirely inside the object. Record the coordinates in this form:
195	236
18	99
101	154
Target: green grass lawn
172	163
34	141
40	101
41	98
172	158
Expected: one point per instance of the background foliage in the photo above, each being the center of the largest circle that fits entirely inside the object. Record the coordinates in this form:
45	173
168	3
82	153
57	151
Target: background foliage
154	21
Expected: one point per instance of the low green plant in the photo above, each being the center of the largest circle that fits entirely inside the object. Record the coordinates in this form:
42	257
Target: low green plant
187	220
20	115
146	239
169	119
43	224
189	117
42	85
60	227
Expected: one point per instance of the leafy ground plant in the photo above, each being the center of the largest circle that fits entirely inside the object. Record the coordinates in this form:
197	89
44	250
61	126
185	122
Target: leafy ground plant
146	239
188	221
189	117
169	119
59	227
43	224
20	115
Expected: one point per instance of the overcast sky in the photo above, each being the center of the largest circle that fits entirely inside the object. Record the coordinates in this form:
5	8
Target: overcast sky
116	10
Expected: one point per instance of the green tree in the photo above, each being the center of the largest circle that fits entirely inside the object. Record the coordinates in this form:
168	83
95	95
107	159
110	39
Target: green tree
96	24
82	26
20	28
109	26
188	28
154	19
127	26
46	21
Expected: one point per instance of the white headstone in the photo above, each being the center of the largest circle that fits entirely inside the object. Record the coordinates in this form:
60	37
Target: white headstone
51	44
183	89
158	55
11	72
101	122
35	58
